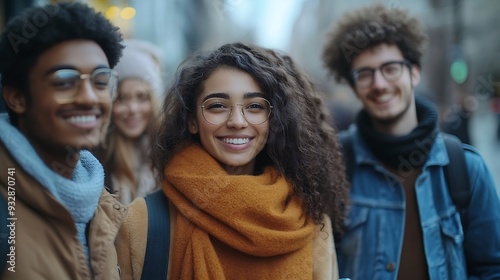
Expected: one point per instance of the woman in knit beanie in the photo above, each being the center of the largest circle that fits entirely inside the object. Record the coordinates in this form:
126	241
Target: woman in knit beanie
125	151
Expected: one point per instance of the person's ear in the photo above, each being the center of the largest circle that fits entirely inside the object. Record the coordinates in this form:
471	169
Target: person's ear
193	125
352	84
415	75
15	100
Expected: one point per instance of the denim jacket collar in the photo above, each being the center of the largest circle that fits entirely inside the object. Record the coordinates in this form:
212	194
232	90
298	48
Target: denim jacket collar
364	156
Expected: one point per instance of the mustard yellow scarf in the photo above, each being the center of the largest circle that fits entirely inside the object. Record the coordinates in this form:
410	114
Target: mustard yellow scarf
235	226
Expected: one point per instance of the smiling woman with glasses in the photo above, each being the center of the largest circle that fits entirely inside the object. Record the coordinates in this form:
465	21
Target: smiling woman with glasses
218	110
248	163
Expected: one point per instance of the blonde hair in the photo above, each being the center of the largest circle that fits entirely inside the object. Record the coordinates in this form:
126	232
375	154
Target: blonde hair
115	151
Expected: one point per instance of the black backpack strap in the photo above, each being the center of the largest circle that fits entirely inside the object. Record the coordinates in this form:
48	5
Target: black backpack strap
4	234
345	139
158	244
457	174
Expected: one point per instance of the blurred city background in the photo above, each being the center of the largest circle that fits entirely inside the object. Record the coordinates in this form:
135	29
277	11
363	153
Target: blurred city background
461	68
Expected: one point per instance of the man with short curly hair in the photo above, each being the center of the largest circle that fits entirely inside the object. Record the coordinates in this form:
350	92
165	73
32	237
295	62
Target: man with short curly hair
57	84
402	222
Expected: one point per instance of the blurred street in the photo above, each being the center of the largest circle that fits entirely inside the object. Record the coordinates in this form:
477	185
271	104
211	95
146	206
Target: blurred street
483	125
458	30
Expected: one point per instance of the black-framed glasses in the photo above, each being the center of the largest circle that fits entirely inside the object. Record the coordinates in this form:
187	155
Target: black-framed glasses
66	83
392	71
218	110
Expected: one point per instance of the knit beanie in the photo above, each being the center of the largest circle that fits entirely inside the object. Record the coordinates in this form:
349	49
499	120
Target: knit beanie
141	59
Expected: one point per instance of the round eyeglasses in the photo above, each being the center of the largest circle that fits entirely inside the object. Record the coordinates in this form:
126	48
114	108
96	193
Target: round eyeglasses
391	71
218	110
66	83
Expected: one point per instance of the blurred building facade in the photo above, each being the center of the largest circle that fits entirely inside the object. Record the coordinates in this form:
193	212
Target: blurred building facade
179	27
457	29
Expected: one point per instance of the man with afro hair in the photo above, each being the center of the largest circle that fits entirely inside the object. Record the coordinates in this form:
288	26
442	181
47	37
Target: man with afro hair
58	84
402	222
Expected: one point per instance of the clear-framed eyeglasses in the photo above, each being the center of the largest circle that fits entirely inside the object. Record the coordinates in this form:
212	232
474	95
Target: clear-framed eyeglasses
66	83
391	71
218	110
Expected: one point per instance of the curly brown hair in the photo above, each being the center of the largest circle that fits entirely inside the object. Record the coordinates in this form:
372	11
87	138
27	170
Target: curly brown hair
368	27
301	142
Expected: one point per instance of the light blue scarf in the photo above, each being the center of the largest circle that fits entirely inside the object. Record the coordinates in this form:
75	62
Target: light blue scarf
79	195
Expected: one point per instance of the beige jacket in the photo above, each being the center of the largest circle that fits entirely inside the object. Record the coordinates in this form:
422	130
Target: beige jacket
132	239
46	246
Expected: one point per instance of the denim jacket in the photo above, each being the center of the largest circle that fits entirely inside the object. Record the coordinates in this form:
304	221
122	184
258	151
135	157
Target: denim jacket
372	243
